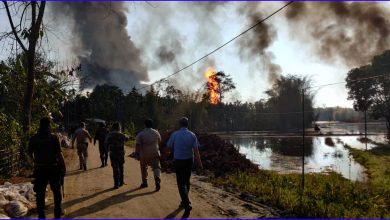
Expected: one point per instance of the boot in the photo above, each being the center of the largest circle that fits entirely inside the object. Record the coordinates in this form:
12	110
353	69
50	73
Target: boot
85	166
121	183
144	185
116	184
103	165
58	213
81	167
157	181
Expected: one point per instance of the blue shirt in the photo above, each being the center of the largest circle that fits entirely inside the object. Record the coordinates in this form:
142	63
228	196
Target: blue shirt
183	141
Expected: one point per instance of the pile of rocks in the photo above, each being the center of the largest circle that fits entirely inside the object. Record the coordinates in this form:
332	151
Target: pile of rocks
217	156
16	199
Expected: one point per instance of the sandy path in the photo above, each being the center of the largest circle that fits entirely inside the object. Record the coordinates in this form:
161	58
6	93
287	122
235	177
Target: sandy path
89	194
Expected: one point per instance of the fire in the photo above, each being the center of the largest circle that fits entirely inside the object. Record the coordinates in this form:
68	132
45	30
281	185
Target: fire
212	85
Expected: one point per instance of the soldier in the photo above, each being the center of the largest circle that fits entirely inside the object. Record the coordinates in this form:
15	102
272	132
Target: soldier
49	166
100	135
148	150
82	136
115	142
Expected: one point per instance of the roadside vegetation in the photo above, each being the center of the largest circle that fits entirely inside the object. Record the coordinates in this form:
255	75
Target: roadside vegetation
377	162
325	195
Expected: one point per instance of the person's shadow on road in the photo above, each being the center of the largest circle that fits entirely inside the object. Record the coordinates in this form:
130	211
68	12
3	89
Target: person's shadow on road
173	214
78	171
84	198
105	203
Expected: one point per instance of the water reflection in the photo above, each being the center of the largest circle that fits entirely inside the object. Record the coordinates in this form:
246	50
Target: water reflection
283	154
351	128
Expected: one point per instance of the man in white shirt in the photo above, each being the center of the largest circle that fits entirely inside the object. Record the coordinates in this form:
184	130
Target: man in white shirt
149	154
82	136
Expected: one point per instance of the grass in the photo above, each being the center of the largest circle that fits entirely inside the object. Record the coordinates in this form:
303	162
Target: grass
377	163
325	195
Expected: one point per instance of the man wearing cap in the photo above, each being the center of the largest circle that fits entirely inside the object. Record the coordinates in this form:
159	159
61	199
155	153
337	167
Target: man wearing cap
49	166
82	136
100	135
149	154
185	145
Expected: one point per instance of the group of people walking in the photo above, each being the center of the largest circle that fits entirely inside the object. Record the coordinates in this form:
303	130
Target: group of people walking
49	164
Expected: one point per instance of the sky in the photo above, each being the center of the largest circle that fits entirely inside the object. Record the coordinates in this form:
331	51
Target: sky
191	30
250	81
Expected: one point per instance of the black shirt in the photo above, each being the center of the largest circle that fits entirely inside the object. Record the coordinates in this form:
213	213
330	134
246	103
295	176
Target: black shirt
45	147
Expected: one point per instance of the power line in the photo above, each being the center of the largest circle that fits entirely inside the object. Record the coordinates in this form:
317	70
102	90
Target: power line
220	47
343	82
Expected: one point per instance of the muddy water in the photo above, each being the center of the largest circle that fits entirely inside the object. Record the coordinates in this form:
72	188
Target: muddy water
322	154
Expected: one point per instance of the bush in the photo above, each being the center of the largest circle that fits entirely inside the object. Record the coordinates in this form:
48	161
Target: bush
9	144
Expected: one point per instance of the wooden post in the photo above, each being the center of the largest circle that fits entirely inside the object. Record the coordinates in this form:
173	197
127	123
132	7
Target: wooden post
303	145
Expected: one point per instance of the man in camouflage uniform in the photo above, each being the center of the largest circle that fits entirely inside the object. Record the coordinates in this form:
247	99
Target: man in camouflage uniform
149	154
115	142
82	136
100	135
49	167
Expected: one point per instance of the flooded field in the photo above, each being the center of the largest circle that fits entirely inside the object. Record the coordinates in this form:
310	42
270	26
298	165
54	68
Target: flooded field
335	127
322	153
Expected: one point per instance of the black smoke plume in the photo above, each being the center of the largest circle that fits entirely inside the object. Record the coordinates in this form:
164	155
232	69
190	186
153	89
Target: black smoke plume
254	45
350	32
105	50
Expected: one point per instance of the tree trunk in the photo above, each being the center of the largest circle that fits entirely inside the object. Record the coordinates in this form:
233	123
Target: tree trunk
28	95
36	22
365	125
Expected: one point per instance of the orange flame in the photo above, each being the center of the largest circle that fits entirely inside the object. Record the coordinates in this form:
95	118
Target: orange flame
212	85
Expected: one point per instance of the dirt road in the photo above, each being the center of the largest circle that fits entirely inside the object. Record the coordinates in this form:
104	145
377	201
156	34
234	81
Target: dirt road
89	194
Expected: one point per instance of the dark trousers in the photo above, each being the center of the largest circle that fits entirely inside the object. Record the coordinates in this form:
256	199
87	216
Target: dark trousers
183	174
82	151
103	153
44	176
117	168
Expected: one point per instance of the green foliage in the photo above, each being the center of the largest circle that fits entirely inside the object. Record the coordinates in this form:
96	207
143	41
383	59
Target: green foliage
377	162
286	96
48	93
371	94
325	196
337	114
167	103
106	102
360	91
9	129
10	142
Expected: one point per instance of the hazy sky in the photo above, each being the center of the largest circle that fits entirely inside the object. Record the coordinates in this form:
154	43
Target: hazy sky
189	30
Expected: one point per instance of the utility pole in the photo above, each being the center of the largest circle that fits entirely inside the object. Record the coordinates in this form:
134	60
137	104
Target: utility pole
303	144
365	127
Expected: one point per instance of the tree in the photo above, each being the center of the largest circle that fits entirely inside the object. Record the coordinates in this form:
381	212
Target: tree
31	34
285	99
48	95
369	87
224	84
152	106
106	102
361	91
